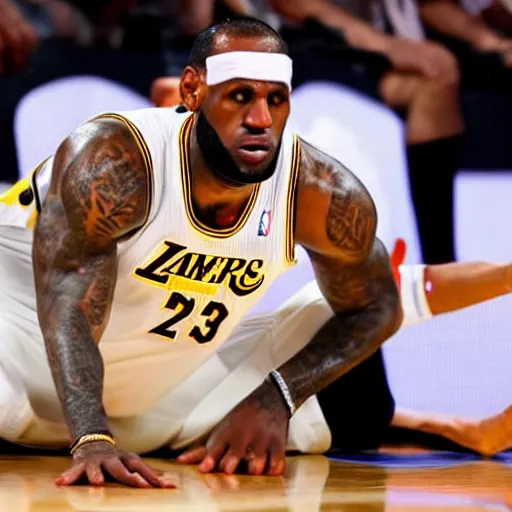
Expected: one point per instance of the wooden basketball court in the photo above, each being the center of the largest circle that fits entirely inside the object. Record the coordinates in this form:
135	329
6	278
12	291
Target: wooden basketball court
311	484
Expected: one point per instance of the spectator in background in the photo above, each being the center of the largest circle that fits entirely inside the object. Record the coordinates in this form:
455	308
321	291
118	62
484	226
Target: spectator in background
85	23
481	46
43	40
18	38
188	17
410	74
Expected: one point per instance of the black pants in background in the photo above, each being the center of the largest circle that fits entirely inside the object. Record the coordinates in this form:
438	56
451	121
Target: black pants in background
359	406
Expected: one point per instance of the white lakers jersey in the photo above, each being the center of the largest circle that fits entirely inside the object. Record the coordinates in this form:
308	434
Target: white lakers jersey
182	287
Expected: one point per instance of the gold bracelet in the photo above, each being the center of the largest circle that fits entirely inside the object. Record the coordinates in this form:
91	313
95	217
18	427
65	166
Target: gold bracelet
91	438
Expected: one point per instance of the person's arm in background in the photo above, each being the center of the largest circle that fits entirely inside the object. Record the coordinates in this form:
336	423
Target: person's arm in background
499	16
241	7
18	38
422	57
449	18
357	32
195	15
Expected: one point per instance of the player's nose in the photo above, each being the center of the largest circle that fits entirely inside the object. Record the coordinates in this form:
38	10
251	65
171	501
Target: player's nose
258	116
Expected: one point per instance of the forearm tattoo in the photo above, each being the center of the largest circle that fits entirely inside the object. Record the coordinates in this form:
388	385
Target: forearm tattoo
356	279
101	196
366	313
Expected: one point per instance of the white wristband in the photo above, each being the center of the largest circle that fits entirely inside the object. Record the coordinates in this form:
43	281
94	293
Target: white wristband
285	391
414	298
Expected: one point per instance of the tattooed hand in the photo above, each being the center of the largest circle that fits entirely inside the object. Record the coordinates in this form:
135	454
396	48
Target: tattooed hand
98	194
254	432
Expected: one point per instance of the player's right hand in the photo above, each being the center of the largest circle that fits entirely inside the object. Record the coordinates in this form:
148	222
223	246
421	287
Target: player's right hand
99	462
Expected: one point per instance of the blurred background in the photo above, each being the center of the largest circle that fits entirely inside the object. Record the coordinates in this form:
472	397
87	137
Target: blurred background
414	96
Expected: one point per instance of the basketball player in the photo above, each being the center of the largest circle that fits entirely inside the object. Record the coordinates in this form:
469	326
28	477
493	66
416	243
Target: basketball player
154	232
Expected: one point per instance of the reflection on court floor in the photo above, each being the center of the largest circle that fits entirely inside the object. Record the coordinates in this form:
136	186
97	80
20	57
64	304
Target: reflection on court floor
422	482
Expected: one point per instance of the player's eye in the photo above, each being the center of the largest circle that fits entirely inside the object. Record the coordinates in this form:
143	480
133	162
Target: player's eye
276	98
242	95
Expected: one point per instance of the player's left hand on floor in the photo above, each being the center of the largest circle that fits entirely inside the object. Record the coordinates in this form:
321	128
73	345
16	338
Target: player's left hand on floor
97	462
254	435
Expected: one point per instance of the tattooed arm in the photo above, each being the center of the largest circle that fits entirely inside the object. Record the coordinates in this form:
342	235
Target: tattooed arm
336	223
352	269
97	196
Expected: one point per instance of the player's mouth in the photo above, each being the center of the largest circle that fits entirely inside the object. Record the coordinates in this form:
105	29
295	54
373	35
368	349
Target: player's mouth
254	152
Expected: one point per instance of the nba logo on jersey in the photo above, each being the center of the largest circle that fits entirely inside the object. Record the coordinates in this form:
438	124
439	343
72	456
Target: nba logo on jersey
264	229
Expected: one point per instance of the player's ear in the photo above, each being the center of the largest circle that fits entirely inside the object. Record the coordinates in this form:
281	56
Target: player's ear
192	88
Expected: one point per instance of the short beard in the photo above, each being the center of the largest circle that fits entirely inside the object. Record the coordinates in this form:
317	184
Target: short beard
220	162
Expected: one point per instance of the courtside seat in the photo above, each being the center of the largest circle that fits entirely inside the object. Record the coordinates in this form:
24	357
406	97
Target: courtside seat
47	114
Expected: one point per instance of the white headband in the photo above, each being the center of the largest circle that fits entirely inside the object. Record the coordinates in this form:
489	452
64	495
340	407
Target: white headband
262	66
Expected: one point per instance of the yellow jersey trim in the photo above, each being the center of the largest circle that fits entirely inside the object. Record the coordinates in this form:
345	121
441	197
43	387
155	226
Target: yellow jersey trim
145	152
12	196
33	182
291	202
185	135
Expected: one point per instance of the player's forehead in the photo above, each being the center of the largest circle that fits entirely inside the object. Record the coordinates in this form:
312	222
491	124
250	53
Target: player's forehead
224	43
263	86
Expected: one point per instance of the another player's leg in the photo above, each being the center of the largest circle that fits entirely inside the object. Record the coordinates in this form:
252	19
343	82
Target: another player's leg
359	407
455	286
362	397
438	289
488	436
429	290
